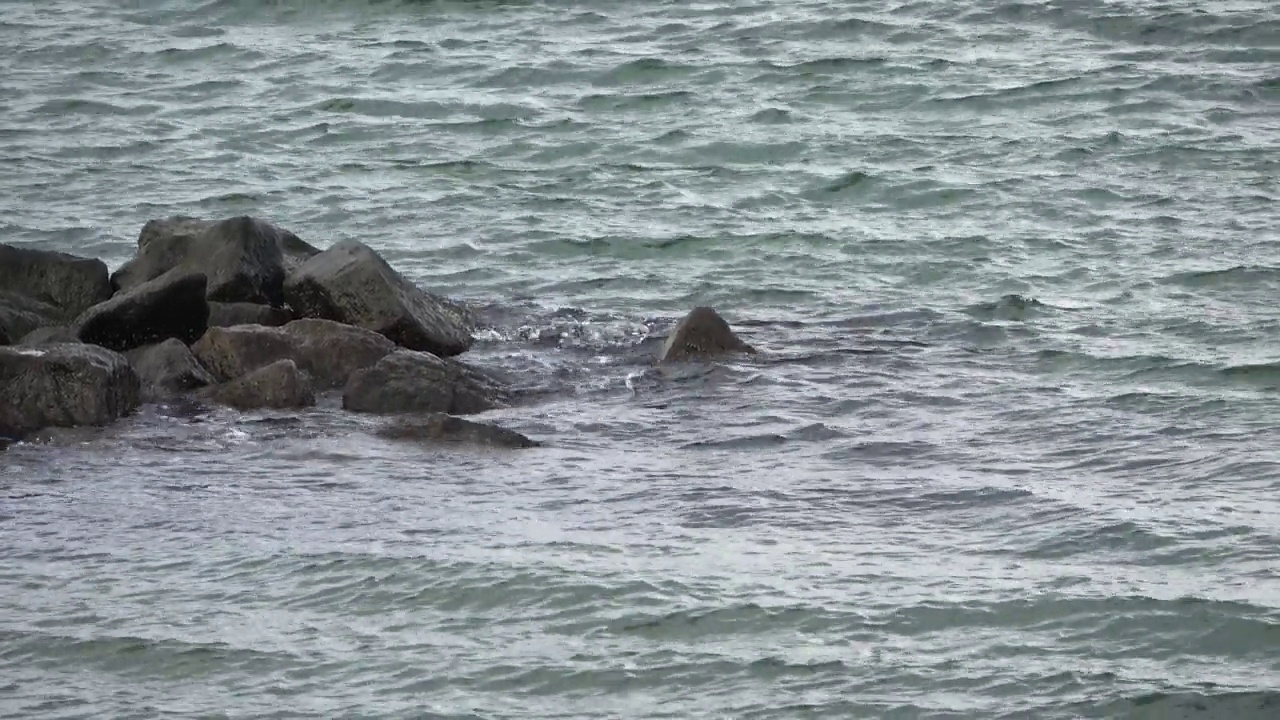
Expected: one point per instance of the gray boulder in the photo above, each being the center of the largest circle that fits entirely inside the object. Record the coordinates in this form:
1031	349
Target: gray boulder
172	305
412	381
701	335
330	352
243	257
280	385
67	284
48	335
441	427
19	315
231	314
352	284
63	385
168	368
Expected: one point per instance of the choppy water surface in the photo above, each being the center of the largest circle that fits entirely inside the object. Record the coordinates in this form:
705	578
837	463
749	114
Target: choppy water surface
1010	451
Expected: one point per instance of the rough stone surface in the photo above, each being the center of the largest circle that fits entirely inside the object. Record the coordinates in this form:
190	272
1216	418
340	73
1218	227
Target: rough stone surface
412	381
231	314
48	335
168	368
19	315
244	258
63	385
329	351
280	385
172	305
352	284
702	334
442	427
67	283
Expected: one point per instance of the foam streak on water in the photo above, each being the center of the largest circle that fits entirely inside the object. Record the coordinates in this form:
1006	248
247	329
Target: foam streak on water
1009	451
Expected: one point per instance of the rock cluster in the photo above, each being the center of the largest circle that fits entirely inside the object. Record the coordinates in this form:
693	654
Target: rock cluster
243	313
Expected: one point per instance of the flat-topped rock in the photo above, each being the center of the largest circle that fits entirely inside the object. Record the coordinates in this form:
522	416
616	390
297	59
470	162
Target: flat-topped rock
352	284
63	385
701	335
170	306
66	284
329	351
412	381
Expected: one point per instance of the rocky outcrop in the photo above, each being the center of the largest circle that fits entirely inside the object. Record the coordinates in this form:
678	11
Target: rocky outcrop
19	315
439	427
67	284
167	368
63	385
330	352
244	258
701	335
49	335
232	314
352	284
172	305
280	385
411	381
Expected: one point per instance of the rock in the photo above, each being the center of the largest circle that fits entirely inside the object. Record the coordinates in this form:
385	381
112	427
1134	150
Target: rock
19	315
172	305
702	334
168	368
230	314
243	257
439	426
412	381
63	385
330	352
68	283
352	284
48	335
279	385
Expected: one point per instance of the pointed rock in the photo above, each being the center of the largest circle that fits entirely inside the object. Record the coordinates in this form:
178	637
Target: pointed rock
168	368
412	381
280	385
172	305
702	334
442	427
63	385
352	284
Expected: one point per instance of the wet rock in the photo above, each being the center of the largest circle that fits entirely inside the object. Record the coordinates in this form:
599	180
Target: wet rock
63	385
280	385
231	314
702	334
412	381
48	335
66	283
172	305
352	284
168	368
19	315
329	351
442	427
244	258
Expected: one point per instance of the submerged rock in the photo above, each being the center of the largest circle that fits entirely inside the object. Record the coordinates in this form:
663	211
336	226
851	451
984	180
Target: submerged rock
702	334
172	305
352	284
168	368
412	381
231	314
63	385
328	350
244	258
66	283
48	335
280	385
442	427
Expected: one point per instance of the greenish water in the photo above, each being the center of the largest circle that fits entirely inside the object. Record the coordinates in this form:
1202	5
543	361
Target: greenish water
1010	451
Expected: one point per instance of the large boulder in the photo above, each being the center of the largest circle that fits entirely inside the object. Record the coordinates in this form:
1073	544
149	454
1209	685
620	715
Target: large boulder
280	385
172	305
352	284
63	385
231	314
412	381
67	284
244	258
168	368
329	351
441	427
701	335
